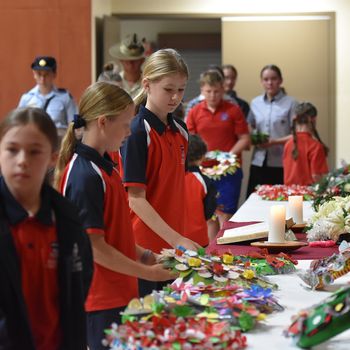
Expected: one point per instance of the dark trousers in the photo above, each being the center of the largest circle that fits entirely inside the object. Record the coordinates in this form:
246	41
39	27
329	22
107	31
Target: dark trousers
97	322
146	287
264	175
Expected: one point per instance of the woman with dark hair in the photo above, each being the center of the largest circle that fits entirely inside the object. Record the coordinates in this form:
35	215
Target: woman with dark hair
270	113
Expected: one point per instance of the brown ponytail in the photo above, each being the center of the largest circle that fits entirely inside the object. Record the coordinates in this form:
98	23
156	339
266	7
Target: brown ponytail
317	136
295	152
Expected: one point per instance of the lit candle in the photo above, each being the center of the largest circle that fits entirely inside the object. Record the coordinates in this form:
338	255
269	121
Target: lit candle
295	205
277	224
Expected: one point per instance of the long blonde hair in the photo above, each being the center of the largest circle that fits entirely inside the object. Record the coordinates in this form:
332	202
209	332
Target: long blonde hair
160	64
98	99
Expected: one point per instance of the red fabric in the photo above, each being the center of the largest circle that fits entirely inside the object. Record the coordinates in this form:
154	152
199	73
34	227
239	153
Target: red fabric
242	248
311	160
196	227
165	186
37	249
219	130
118	234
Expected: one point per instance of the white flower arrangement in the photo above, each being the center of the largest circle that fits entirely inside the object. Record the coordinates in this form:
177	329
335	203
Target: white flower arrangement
331	220
224	163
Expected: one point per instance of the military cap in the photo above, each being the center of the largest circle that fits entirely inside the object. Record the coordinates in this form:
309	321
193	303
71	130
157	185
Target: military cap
129	49
44	63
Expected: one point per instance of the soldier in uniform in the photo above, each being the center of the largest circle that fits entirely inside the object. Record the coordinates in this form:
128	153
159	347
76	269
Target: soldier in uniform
131	55
57	102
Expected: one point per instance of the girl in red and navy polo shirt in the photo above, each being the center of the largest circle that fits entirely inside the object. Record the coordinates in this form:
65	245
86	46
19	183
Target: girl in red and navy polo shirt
45	255
154	157
305	155
87	176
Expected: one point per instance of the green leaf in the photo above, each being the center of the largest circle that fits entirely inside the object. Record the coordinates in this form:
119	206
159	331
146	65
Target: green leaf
157	308
130	318
182	310
201	251
176	346
246	321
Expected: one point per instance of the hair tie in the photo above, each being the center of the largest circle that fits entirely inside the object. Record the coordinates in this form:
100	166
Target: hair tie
78	121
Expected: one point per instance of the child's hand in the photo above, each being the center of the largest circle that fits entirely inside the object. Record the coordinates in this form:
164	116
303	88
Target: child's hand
267	144
148	257
159	273
187	243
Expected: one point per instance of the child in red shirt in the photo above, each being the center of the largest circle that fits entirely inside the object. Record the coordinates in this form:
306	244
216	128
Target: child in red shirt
200	199
86	175
304	156
222	126
154	158
45	255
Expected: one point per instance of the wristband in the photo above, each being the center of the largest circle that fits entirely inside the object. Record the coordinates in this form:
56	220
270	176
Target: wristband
145	255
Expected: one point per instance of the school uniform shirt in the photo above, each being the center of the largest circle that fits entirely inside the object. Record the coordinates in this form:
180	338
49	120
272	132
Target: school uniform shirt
220	129
190	104
45	272
135	89
243	105
311	160
154	158
36	245
275	119
59	104
200	202
94	185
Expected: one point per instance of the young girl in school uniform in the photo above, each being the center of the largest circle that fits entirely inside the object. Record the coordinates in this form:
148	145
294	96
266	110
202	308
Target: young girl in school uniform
86	175
154	157
305	155
45	255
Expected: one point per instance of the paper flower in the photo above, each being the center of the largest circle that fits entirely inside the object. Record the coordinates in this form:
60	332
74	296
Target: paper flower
335	183
282	192
331	220
218	164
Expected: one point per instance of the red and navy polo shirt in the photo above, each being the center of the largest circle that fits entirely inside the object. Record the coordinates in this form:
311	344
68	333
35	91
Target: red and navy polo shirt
220	129
312	160
200	205
35	239
94	185
154	158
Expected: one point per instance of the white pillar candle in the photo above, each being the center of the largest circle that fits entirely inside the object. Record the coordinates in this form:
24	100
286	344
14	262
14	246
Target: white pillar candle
277	224
295	205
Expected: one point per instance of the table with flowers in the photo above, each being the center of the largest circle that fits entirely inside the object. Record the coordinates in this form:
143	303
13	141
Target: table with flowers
231	297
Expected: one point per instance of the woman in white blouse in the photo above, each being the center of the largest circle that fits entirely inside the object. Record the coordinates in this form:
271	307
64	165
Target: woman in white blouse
270	113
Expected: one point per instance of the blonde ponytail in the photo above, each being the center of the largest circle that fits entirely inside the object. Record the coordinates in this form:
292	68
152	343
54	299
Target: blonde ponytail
98	99
66	152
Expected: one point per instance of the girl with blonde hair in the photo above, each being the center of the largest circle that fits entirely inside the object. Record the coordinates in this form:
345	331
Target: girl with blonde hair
87	176
154	157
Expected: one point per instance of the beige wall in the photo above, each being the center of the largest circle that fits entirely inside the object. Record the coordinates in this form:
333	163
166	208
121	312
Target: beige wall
219	8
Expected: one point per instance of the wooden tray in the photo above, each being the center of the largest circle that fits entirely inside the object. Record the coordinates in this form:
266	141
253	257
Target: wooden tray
279	247
298	228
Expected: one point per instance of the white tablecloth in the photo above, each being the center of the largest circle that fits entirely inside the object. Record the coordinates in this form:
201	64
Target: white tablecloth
256	209
291	295
294	297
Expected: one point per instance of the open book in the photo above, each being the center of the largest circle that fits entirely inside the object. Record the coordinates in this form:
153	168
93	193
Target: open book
245	233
